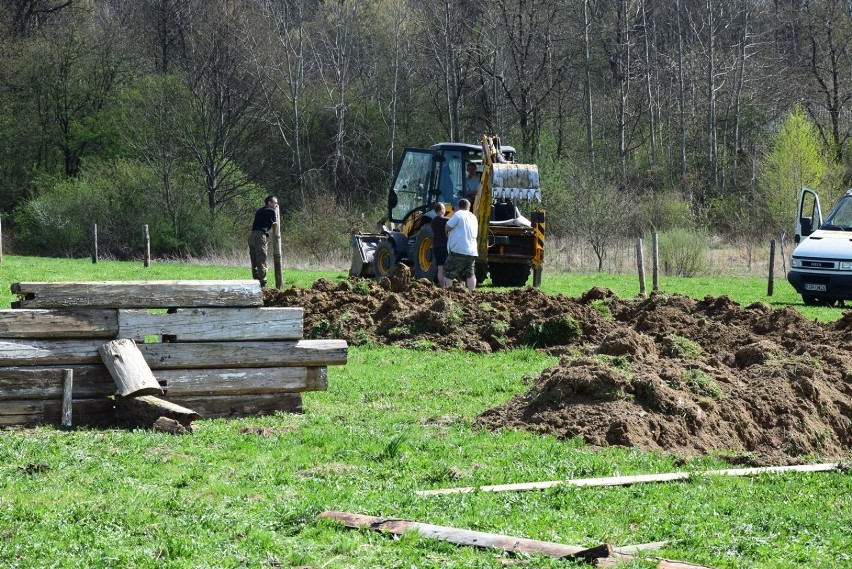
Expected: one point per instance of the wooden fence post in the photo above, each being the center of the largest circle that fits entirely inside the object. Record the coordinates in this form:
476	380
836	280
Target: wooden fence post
276	250
67	390
640	263
655	270
147	236
95	244
771	286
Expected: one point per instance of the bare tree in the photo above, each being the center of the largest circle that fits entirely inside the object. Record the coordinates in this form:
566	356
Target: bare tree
534	35
227	123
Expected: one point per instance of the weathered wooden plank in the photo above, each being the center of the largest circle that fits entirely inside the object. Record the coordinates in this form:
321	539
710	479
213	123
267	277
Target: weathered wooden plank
46	382
214	324
94	412
143	411
473	538
138	294
71	353
630	480
245	354
223	406
242	381
128	368
58	323
18	352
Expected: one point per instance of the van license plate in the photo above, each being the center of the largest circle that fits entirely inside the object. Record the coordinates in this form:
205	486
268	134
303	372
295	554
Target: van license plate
815	287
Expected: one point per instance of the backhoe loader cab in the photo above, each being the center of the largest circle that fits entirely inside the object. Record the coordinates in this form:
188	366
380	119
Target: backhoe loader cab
426	176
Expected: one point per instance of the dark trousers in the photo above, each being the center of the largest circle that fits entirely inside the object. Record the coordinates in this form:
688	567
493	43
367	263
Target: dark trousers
257	251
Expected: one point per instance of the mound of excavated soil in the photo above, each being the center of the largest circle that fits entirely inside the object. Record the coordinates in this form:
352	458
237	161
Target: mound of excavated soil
667	373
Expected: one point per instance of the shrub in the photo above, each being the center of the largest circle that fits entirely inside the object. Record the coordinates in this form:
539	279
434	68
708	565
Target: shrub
683	252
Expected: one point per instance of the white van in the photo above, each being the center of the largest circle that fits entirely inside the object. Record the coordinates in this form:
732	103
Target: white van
821	266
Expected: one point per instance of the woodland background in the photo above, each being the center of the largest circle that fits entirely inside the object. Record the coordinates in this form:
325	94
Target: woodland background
699	119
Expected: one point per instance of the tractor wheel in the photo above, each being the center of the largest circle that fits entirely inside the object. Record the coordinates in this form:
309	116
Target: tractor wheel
423	260
384	259
509	274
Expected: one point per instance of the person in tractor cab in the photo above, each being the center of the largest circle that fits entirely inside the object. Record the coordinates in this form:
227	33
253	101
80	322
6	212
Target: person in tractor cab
471	182
439	240
462	228
265	219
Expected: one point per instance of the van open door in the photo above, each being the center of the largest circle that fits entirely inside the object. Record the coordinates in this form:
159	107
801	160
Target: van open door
809	216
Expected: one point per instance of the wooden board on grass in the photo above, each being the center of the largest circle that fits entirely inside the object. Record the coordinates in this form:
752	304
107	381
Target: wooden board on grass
221	406
245	354
137	294
22	352
45	382
213	324
242	381
58	323
93	381
71	353
28	413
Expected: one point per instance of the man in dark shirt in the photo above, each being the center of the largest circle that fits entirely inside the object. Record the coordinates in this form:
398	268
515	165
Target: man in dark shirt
439	240
264	220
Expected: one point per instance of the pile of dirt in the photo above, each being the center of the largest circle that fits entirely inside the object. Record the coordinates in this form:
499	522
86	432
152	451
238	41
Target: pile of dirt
666	373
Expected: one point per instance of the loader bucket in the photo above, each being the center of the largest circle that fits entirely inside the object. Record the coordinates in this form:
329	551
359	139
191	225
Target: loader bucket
363	247
515	181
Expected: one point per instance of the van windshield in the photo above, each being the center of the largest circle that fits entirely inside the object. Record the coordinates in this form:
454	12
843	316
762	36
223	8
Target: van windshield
840	219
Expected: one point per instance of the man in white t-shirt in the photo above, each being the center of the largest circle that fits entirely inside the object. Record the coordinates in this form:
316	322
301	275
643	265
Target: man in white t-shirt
461	229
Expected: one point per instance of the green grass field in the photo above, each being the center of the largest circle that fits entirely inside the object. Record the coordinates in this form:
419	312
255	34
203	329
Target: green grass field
393	421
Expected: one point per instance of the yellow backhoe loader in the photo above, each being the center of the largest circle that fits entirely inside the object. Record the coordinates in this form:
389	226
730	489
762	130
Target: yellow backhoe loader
510	245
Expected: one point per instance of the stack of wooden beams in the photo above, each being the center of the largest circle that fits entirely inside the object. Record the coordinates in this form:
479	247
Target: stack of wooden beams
215	349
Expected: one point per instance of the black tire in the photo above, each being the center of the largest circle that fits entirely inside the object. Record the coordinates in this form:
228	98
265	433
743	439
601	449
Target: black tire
384	259
810	300
509	274
423	259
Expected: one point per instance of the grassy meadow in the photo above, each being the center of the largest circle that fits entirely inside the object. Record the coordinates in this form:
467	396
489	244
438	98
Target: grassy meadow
247	492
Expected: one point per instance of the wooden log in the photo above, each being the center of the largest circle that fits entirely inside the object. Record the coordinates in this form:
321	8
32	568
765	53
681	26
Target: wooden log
475	538
128	368
15	352
46	382
242	381
143	411
244	354
90	412
138	294
213	324
72	353
58	323
629	480
224	406
67	390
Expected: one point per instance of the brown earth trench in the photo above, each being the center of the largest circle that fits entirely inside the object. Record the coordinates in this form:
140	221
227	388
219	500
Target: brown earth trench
668	373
